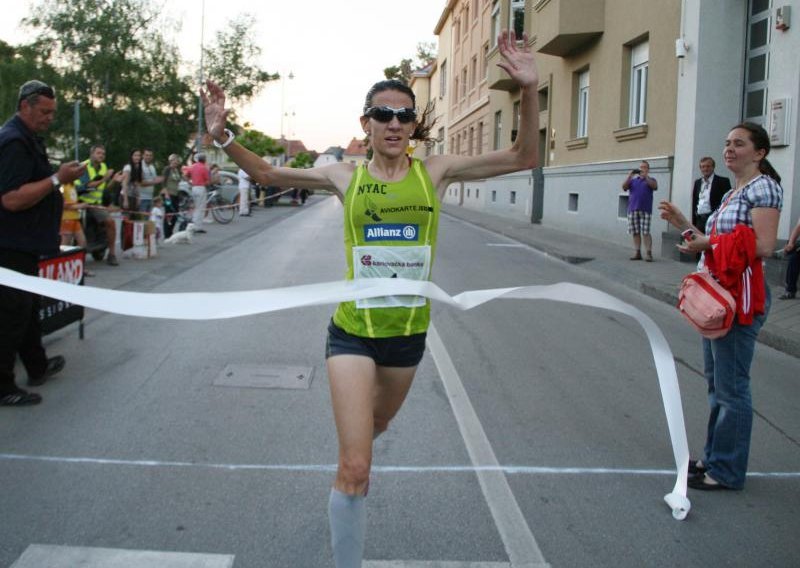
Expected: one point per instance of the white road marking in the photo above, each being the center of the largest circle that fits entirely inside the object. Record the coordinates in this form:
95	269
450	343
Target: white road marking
519	542
507	245
39	555
431	564
327	468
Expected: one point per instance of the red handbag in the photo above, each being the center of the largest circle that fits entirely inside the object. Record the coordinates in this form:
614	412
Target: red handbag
706	305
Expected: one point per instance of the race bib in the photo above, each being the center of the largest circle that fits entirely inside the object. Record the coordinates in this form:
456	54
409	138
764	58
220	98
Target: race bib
413	263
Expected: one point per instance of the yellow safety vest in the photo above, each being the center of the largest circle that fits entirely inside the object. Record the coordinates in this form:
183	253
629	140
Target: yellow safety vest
95	194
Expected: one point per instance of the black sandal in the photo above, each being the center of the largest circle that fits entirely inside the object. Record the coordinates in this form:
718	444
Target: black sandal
20	398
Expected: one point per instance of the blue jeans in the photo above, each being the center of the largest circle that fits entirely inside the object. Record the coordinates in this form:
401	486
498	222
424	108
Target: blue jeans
145	204
727	363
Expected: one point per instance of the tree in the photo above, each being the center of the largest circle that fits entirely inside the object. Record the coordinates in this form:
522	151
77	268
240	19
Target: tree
18	65
302	160
259	143
426	54
113	58
232	61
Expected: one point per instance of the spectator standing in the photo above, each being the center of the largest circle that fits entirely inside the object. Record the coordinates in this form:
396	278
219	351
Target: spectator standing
744	230
150	179
157	216
707	193
170	192
132	178
244	193
792	251
199	177
71	230
30	217
640	186
92	191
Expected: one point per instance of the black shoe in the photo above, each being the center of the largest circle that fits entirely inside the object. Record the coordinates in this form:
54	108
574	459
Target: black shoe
704	482
199	230
696	467
54	365
20	398
787	296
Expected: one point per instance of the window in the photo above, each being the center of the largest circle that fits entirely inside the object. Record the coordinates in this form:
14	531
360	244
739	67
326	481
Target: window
495	22
757	62
513	197
457	31
516	20
467	192
640	56
479	141
475	9
473	72
485	61
440	140
515	116
455	92
471	140
464	82
458	143
573	202
494	196
582	129
477	193
465	20
443	79
498	117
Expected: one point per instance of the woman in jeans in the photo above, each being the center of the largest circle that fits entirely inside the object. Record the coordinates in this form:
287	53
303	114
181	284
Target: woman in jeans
754	202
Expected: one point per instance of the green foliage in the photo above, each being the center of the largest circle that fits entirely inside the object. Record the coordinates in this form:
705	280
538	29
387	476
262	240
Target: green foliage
302	160
115	59
230	63
259	143
426	54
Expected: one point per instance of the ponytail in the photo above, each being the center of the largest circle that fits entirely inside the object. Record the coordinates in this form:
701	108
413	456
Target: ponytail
766	168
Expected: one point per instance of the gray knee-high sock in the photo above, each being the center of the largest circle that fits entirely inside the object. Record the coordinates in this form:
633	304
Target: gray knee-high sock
348	524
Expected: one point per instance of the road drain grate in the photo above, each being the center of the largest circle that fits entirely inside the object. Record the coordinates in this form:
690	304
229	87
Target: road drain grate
265	376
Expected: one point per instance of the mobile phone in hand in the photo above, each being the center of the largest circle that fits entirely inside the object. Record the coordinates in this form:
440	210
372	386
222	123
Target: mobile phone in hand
688	235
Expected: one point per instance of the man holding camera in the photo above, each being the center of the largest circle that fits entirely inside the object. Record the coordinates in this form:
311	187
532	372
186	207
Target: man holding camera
30	218
640	209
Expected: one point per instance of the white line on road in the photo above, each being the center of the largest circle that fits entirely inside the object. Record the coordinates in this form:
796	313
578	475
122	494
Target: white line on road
519	542
327	468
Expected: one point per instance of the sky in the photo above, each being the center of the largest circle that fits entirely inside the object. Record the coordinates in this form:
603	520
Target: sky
334	49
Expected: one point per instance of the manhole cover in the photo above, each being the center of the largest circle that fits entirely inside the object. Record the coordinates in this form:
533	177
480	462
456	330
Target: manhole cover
265	377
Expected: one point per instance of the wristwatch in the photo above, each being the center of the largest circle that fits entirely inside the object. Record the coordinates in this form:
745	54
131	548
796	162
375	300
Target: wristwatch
56	182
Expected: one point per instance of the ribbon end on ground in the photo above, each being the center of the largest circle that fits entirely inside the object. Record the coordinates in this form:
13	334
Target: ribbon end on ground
679	504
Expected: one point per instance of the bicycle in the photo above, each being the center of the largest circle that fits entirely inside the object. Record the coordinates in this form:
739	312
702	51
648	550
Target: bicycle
222	210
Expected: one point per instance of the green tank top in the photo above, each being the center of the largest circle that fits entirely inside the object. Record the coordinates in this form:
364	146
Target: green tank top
389	231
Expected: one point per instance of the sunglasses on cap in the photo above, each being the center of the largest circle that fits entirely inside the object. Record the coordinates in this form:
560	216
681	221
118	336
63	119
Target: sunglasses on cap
36	88
386	113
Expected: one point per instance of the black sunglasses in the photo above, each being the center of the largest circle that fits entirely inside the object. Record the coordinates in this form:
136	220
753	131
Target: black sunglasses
386	113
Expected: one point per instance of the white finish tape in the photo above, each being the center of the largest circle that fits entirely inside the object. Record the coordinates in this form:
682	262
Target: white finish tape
221	305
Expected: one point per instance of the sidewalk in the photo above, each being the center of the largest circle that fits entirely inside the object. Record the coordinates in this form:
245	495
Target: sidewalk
659	279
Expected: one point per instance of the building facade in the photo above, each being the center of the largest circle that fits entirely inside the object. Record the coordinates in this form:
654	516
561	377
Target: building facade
622	81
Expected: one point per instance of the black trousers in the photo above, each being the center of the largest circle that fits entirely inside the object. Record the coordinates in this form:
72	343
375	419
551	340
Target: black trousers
20	330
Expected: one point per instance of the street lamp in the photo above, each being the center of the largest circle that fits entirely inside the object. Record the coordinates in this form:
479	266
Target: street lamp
199	143
283	99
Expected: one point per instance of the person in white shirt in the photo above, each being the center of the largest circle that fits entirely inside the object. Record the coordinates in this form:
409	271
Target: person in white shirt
157	216
244	193
707	192
150	179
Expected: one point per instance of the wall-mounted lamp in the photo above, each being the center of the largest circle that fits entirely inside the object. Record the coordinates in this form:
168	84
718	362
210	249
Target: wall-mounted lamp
680	48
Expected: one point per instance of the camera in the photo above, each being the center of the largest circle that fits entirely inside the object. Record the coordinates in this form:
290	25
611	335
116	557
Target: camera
636	172
688	235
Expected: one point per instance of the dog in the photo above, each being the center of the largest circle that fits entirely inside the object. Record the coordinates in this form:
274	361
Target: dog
181	237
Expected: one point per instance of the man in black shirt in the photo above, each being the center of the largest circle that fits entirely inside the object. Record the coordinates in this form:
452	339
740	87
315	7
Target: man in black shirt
30	216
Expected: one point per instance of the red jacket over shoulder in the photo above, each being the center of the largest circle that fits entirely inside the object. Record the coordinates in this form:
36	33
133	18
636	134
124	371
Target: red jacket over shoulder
733	262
